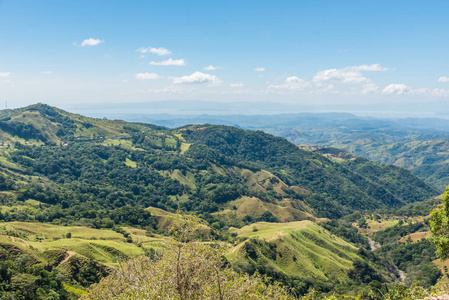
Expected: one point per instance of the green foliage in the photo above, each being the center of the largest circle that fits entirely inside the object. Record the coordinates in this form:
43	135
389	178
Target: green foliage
423	152
346	231
92	183
362	272
413	258
306	256
20	278
83	271
362	223
440	227
187	270
400	292
396	232
338	189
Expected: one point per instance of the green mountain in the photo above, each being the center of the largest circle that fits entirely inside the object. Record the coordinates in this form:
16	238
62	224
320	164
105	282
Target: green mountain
427	159
203	168
125	179
359	184
419	145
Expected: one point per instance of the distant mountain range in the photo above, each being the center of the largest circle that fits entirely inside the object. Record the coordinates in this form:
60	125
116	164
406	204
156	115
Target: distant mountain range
417	144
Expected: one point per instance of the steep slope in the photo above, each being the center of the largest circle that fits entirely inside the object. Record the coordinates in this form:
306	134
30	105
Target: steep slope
340	186
197	168
427	159
416	144
423	150
305	252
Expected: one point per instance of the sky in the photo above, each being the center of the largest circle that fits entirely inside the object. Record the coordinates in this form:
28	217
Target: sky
332	55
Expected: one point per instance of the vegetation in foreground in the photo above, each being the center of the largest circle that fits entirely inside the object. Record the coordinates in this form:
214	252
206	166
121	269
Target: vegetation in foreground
186	270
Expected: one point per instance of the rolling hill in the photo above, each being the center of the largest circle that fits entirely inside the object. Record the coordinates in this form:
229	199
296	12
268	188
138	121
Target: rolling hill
112	184
416	144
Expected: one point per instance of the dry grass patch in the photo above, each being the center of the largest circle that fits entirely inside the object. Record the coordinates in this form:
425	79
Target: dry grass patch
47	231
416	236
254	207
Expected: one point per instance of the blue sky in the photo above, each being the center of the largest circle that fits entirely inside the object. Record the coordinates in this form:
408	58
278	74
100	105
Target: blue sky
299	52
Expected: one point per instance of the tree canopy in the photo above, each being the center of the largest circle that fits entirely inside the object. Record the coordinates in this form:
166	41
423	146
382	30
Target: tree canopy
440	227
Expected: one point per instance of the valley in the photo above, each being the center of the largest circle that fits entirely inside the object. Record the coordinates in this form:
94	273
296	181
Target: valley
78	195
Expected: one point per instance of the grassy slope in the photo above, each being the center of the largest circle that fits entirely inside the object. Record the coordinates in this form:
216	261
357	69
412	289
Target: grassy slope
360	185
254	207
303	249
103	245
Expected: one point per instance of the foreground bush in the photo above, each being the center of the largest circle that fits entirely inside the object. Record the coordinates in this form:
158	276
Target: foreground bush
186	270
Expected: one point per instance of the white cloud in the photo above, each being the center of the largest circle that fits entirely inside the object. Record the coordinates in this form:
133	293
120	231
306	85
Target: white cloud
402	89
291	83
91	42
259	69
147	76
211	68
352	74
345	76
440	92
46	72
443	79
236	84
159	51
397	89
373	67
197	78
5	74
169	62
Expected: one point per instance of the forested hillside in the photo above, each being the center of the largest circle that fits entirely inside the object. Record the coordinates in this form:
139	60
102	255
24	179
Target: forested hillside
419	145
125	180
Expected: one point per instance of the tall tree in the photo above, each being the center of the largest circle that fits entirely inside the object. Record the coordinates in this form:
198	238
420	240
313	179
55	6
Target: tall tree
440	227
